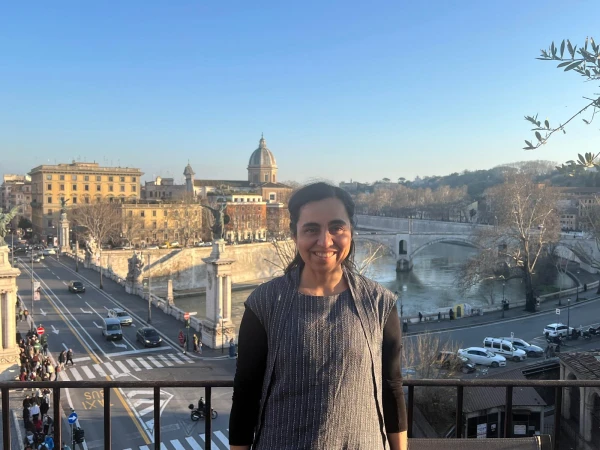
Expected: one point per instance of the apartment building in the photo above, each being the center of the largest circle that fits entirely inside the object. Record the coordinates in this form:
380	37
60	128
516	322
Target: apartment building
77	182
16	190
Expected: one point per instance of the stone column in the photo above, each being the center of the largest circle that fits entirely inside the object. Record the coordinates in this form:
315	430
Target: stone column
218	298
9	352
63	234
170	297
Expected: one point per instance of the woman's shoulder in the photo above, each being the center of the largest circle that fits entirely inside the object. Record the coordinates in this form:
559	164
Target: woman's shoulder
267	293
374	288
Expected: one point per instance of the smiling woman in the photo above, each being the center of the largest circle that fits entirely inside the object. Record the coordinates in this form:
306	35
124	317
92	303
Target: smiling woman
319	348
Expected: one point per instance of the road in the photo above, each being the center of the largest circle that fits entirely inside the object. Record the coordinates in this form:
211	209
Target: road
74	321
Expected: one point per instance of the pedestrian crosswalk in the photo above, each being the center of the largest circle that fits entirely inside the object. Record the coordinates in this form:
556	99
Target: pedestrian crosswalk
220	440
121	368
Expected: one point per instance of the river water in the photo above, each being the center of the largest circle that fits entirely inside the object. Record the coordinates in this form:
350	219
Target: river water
430	286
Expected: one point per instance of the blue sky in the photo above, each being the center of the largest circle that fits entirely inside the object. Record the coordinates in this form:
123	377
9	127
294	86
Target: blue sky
361	90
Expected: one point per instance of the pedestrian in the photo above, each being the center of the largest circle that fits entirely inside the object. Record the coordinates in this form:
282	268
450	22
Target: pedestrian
34	410
199	345
57	370
45	349
231	348
321	298
420	317
195	343
70	357
61	357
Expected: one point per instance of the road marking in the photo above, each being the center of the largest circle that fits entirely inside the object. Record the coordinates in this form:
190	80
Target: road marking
88	372
175	443
54	330
137	352
57	277
144	447
118	345
79	296
222	438
122	366
112	370
64	376
75	374
164	359
193	443
100	370
141	401
65	283
154	361
175	358
42	312
97	326
163	446
85	312
66	348
186	358
133	365
144	363
140	392
82	359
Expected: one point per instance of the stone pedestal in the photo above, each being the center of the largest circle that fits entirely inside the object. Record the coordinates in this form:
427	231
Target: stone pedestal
63	234
170	296
218	329
9	351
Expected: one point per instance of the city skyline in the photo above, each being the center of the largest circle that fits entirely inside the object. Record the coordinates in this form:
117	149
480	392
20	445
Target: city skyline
341	91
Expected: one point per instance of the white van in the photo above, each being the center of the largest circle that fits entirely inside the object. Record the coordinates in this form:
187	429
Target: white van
111	329
505	348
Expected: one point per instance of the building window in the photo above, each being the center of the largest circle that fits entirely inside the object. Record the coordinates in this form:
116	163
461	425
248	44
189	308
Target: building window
86	187
122	179
272	197
98	178
110	188
74	200
142	213
110	178
49	187
62	187
50	223
98	188
50	212
166	236
62	178
74	187
133	179
49	200
133	188
86	178
154	225
153	213
122	188
74	177
86	199
130	213
266	178
48	177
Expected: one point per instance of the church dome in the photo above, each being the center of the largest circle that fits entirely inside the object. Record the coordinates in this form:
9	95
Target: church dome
262	156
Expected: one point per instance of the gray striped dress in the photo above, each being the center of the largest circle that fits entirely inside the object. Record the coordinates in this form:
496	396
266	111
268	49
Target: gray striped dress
321	394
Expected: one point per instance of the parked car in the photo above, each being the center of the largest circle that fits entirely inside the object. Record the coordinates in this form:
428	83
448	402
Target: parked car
556	329
121	315
531	350
76	286
152	247
452	362
480	355
175	244
164	245
504	348
148	337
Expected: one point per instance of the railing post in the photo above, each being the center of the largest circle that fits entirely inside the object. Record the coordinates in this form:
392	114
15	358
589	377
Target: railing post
208	418
57	419
558	395
6	419
459	410
107	428
508	412
411	404
156	418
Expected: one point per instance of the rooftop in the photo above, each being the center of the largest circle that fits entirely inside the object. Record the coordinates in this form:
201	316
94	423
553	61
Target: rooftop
83	167
585	364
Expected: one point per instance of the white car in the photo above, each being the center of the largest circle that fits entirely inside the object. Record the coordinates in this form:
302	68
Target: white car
557	329
121	315
479	355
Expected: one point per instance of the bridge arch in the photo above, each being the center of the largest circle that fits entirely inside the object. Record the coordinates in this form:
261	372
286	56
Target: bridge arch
445	240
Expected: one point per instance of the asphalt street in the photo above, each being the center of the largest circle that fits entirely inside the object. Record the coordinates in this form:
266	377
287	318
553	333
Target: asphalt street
74	321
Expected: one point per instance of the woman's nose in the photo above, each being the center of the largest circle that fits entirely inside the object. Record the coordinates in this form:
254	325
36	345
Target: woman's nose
325	239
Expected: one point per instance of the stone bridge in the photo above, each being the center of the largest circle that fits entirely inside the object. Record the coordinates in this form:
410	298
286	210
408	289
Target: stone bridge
406	238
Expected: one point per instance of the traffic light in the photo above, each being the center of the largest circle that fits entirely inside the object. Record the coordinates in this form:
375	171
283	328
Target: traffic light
78	435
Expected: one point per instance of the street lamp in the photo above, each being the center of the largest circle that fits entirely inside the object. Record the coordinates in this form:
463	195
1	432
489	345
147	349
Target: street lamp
503	307
577	285
568	316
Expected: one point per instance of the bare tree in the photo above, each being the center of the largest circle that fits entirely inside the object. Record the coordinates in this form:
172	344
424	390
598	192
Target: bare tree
285	252
187	218
132	226
527	222
373	253
100	222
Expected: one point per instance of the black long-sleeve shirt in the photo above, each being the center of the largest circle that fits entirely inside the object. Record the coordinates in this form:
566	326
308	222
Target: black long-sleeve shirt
251	366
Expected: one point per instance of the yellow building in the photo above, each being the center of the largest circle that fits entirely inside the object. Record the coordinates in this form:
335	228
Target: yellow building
158	223
78	182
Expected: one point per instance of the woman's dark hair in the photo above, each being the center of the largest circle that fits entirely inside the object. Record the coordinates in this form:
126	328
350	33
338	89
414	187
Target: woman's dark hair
313	193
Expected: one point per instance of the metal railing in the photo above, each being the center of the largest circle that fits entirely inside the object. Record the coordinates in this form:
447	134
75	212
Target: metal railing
106	386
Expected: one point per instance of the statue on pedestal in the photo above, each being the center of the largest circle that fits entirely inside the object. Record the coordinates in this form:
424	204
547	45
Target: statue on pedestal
91	249
5	219
136	265
221	219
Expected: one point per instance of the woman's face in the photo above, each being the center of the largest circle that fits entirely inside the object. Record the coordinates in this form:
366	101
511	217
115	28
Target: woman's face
323	235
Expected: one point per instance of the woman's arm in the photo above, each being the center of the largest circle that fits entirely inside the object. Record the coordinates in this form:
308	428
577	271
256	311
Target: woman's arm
394	407
247	384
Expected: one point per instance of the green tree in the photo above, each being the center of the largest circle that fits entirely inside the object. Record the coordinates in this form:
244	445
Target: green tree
25	223
584	61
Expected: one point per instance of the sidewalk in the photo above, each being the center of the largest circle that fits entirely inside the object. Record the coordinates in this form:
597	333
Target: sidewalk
494	316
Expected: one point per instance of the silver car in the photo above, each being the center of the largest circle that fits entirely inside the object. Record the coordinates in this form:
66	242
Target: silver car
530	349
121	315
